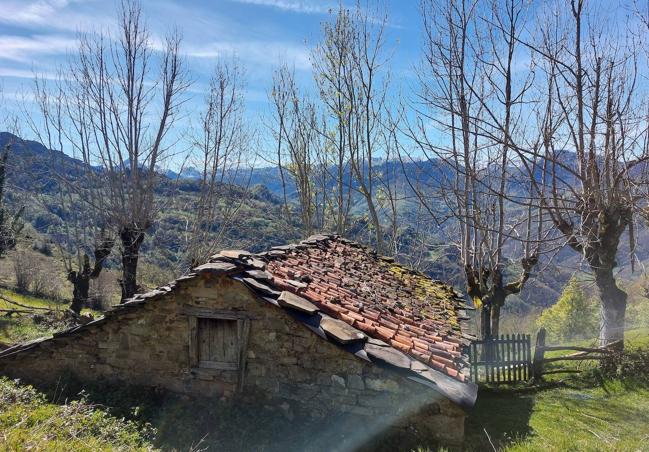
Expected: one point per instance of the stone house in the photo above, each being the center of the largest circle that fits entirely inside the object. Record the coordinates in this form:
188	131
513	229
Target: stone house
324	326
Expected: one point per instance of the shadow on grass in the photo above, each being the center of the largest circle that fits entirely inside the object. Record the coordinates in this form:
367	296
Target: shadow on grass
502	415
499	417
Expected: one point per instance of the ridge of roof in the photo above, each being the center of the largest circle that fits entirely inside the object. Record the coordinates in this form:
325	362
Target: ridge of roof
442	369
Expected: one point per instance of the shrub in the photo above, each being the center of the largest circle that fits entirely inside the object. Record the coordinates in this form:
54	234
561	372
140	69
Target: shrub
573	316
43	247
23	264
35	276
102	291
638	313
45	284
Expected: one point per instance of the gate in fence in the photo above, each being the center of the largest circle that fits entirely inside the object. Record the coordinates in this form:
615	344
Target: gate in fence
503	359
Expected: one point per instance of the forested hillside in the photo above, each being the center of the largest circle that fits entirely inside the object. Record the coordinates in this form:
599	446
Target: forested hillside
259	223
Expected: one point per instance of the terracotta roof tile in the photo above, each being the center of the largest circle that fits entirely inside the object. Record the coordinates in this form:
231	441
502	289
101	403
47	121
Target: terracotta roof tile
387	301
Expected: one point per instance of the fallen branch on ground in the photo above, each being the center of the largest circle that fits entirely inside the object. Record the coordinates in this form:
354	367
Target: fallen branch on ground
15	303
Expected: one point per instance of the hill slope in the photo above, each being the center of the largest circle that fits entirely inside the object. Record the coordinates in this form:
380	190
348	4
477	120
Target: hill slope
259	223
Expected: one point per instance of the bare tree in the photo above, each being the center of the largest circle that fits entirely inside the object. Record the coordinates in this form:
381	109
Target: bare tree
330	61
390	193
122	115
351	73
83	228
468	98
594	145
298	143
10	224
220	148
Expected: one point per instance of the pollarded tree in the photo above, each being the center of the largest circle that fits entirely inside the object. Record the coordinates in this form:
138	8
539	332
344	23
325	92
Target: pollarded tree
83	227
594	145
121	110
469	111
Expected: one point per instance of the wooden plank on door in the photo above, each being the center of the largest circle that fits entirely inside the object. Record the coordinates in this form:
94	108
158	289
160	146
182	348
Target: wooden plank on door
203	339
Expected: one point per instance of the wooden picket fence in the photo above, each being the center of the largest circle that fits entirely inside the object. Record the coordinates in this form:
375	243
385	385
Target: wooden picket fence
503	359
508	358
581	354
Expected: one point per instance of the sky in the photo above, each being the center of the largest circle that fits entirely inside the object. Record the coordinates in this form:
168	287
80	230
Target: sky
39	35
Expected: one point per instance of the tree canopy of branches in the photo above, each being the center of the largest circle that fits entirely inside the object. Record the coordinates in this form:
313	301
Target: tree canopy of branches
299	146
469	112
10	225
83	227
592	105
115	112
350	69
220	147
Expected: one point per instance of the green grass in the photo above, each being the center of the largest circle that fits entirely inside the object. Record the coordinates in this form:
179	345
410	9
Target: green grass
566	413
28	300
36	302
29	422
46	318
637	338
611	417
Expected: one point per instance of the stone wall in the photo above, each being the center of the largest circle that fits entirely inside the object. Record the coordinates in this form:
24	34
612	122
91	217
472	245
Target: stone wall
286	363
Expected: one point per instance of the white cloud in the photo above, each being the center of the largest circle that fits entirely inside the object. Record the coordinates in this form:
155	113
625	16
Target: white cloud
40	72
297	6
255	52
68	15
25	48
34	12
16	73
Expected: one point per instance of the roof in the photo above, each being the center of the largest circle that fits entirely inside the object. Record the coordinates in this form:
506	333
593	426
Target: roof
386	301
373	307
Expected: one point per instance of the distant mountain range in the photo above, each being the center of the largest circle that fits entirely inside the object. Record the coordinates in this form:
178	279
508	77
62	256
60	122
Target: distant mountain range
260	224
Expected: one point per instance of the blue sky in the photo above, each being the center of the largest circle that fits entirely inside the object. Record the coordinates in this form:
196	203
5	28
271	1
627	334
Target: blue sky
37	35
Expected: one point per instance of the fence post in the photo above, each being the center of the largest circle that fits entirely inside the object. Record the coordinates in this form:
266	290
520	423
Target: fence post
528	358
539	351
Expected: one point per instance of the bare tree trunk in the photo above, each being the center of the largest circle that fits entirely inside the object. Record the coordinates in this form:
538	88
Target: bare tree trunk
81	279
485	321
376	224
132	238
612	308
80	288
495	319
